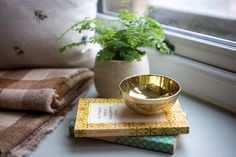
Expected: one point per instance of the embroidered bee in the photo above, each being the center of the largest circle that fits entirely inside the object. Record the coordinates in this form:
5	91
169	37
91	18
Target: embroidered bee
18	50
40	15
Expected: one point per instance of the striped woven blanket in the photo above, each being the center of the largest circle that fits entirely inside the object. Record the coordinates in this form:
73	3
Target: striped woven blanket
31	99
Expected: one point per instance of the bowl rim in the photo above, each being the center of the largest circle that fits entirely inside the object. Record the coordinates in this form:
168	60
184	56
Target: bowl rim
149	99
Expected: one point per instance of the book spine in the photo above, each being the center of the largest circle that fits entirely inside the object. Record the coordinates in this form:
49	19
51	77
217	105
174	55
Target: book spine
131	132
156	143
141	143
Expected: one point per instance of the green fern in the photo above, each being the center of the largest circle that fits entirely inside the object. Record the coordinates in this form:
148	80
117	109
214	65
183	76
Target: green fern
121	41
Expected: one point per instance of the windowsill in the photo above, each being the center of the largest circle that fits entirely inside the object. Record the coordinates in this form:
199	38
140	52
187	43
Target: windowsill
212	133
200	80
206	49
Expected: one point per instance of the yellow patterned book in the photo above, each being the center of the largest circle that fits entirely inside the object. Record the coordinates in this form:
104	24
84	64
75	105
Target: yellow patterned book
98	117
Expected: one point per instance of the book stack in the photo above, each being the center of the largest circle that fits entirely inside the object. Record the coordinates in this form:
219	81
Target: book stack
111	120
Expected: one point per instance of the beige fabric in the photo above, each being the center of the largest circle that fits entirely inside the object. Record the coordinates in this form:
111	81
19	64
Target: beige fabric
7	118
45	90
33	140
24	135
21	131
30	28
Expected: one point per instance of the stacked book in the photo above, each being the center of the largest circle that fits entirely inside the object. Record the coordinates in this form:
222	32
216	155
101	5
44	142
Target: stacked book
111	120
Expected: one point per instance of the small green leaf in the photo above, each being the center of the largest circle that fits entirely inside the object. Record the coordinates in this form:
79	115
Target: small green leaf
71	46
121	40
105	55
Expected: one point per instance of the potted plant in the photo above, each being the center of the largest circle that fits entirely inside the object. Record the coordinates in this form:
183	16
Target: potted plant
120	55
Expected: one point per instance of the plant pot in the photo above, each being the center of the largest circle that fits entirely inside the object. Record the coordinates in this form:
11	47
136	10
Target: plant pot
108	75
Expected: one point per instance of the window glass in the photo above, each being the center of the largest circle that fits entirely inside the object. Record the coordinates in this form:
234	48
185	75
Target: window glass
210	17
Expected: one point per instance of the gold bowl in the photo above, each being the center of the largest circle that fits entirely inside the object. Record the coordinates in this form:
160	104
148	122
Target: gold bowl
146	94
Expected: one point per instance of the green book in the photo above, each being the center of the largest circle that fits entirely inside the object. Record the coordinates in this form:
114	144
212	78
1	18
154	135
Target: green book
166	144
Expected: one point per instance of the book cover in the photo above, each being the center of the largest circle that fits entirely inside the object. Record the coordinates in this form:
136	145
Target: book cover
99	117
165	143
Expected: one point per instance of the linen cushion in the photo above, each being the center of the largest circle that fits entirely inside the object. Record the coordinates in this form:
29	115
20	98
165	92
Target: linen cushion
30	28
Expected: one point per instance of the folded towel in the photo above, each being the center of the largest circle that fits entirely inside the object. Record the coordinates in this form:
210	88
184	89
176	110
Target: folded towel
46	90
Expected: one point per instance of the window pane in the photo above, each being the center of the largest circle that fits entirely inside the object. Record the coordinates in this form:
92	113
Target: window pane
211	17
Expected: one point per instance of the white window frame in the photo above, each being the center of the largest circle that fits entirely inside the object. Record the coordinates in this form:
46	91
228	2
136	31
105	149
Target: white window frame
214	82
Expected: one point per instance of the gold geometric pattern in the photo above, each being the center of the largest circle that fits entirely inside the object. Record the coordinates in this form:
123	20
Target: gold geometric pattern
176	122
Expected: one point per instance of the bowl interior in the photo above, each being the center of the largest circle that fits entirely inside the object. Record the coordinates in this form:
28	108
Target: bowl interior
149	86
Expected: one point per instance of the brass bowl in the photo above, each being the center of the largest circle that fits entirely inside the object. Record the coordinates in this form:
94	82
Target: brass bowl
146	94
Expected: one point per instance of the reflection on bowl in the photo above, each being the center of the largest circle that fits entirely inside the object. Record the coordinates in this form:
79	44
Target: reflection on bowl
147	93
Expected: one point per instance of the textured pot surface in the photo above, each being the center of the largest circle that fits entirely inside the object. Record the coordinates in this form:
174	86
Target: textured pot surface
108	75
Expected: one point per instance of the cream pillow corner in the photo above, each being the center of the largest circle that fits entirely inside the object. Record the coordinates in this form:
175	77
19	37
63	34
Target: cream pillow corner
30	28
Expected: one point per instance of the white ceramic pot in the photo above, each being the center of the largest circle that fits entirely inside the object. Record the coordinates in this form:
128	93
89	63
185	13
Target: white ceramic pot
108	75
